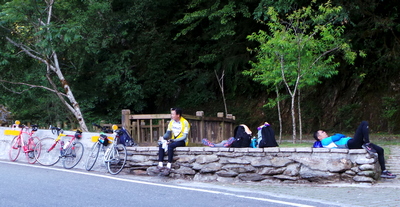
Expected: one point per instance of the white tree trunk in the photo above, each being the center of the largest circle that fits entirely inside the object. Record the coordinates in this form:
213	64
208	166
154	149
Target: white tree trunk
53	66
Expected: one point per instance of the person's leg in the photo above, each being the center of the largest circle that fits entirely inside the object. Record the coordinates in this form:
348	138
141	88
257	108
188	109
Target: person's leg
207	142
221	144
171	147
381	155
229	142
161	153
361	136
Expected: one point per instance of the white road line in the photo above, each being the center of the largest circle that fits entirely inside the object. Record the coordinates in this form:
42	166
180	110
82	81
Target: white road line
161	185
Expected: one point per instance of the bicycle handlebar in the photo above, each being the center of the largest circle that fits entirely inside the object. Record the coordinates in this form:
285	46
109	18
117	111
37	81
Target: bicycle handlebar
78	133
104	129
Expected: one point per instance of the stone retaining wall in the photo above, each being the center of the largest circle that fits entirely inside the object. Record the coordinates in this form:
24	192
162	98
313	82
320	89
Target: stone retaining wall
297	165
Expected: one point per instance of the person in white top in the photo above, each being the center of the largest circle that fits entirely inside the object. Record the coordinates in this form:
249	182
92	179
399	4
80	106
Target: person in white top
175	136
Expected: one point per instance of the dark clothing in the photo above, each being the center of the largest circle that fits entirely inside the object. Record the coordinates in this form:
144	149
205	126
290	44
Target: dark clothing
170	151
242	139
268	137
361	136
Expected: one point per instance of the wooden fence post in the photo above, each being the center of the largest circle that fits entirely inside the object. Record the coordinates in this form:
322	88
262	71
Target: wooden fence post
125	121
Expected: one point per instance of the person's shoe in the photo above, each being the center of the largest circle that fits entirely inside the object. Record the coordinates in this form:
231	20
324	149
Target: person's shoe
369	148
387	174
207	143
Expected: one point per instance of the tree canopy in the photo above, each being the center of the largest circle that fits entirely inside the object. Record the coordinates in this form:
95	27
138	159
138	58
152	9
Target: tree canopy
149	56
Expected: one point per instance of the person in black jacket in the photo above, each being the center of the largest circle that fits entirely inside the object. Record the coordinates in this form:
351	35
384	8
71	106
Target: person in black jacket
266	135
241	138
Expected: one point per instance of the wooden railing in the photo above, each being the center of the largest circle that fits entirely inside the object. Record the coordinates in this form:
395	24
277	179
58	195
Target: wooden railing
147	128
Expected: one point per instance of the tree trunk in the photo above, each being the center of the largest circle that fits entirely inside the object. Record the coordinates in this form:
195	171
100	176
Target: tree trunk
279	114
293	118
299	114
75	109
73	105
221	86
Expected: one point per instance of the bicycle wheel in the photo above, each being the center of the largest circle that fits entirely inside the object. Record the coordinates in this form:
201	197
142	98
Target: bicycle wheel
15	148
92	156
47	152
116	159
30	155
73	155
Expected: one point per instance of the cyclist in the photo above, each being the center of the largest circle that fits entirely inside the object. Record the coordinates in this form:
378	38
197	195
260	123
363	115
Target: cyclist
175	136
360	140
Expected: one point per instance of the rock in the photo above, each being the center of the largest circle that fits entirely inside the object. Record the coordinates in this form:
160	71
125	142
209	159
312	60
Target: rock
205	177
186	159
366	167
250	177
185	171
204	159
272	171
368	173
292	170
280	161
239	168
210	168
227	173
285	177
363	179
308	173
261	162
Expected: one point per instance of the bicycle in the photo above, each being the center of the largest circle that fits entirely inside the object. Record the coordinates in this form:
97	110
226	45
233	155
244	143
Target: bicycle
70	152
19	143
114	156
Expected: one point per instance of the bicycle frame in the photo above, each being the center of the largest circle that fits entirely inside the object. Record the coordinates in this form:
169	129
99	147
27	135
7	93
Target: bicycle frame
18	142
114	156
24	130
70	151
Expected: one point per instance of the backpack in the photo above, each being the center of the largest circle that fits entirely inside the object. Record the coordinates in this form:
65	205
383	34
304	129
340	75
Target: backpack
267	137
242	139
125	138
317	144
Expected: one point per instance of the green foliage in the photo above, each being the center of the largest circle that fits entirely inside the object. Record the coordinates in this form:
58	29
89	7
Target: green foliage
391	111
300	47
346	117
150	55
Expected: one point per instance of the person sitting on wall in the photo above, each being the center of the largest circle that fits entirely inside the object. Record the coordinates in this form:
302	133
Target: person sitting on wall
360	140
241	138
175	136
266	136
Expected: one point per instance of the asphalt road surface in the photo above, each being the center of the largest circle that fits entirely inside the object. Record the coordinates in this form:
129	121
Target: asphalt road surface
35	185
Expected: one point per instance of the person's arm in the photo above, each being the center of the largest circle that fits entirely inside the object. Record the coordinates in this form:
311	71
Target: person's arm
337	137
184	136
167	134
328	143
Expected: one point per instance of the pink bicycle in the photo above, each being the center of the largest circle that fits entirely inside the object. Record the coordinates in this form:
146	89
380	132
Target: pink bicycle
19	143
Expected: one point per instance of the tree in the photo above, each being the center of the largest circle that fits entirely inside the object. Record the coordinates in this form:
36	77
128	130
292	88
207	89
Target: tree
31	29
299	49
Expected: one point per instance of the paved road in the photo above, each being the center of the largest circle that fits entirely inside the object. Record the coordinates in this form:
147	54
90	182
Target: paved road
34	185
156	191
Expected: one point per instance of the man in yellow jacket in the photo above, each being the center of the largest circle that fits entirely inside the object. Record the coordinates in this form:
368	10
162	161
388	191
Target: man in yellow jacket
176	136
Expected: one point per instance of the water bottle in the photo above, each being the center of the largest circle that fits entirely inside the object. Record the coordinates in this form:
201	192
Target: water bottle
66	145
62	148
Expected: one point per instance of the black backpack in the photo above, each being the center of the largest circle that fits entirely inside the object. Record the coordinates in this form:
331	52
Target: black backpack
242	139
268	137
125	138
